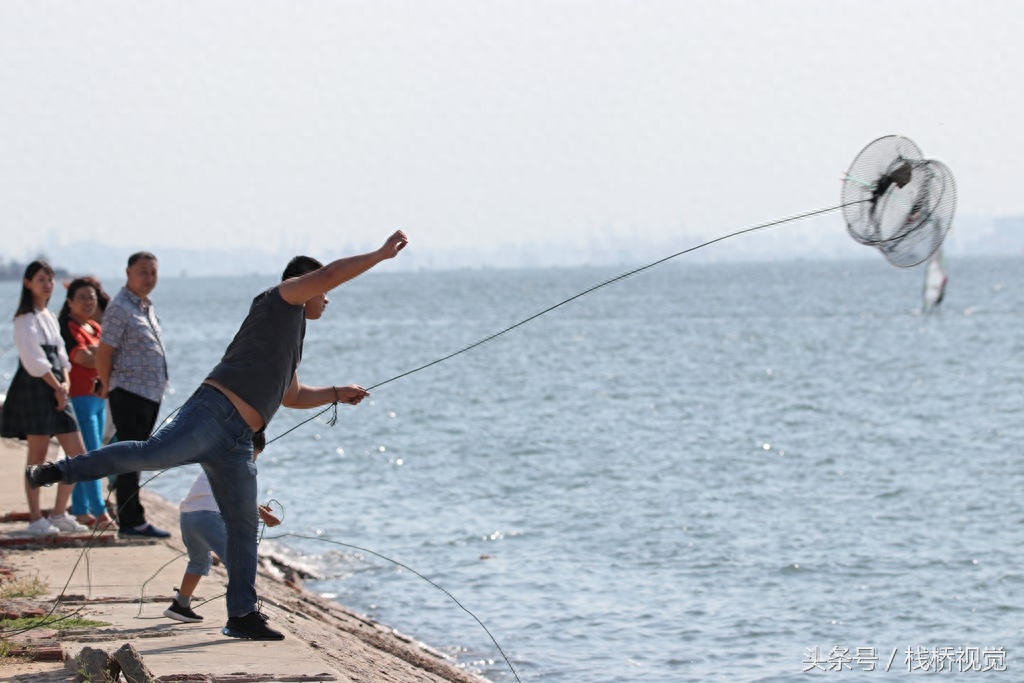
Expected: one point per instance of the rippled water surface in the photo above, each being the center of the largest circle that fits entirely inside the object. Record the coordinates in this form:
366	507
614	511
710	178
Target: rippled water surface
697	473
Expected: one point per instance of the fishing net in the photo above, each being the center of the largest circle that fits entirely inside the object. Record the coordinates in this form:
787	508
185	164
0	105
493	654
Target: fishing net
897	201
939	205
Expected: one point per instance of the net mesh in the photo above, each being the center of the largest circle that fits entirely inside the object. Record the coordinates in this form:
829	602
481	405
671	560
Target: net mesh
932	220
897	201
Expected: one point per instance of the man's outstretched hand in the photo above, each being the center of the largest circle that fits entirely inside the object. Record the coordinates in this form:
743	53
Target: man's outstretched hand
394	244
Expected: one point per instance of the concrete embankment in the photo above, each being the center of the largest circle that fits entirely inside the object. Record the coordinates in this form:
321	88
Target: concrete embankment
128	584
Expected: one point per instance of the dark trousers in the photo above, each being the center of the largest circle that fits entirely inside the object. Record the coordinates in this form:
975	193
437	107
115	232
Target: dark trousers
134	418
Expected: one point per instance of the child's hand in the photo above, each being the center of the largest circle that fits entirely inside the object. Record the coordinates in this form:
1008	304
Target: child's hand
267	515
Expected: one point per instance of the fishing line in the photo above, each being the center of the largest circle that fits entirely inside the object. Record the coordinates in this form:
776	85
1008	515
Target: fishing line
91	542
331	422
334	418
142	589
142	596
762	226
89	545
887	162
489	338
547	310
410	569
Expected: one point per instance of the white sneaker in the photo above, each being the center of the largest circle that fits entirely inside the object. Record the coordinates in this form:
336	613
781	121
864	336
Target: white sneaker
42	527
67	524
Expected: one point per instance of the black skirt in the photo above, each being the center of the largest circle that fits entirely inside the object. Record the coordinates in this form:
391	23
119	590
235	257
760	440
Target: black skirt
31	408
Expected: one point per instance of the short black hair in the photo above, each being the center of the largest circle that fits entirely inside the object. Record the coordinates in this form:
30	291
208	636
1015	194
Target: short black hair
139	255
300	265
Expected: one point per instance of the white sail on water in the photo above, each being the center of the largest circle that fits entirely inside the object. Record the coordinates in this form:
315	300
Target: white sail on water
935	280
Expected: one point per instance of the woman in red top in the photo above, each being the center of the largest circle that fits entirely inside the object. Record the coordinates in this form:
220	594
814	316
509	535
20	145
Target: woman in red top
81	335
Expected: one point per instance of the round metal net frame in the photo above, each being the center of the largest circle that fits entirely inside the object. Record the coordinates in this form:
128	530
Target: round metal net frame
897	201
938	206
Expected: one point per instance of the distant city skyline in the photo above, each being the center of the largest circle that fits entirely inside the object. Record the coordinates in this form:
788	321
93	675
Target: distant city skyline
825	238
483	130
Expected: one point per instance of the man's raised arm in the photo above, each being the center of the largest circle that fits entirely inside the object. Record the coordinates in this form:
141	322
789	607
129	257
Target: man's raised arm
298	290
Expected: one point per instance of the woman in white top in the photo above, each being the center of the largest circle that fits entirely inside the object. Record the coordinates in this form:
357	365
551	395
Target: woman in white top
37	405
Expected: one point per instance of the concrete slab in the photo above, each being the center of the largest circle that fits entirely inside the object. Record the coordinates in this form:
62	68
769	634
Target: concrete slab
128	584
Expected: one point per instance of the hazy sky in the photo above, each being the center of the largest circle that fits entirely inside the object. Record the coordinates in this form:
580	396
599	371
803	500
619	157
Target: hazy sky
479	123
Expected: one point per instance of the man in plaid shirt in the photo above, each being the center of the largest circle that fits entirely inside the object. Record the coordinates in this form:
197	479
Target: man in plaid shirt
132	366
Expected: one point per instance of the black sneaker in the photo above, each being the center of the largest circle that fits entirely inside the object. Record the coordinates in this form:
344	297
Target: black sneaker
46	474
253	626
148	531
179	613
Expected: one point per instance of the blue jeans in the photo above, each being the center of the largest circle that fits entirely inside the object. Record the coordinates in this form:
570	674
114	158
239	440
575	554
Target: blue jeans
209	431
91	413
202	531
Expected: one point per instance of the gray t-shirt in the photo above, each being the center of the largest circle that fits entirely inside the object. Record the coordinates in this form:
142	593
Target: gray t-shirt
260	361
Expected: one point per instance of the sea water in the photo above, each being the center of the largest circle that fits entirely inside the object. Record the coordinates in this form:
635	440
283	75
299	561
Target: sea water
738	472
